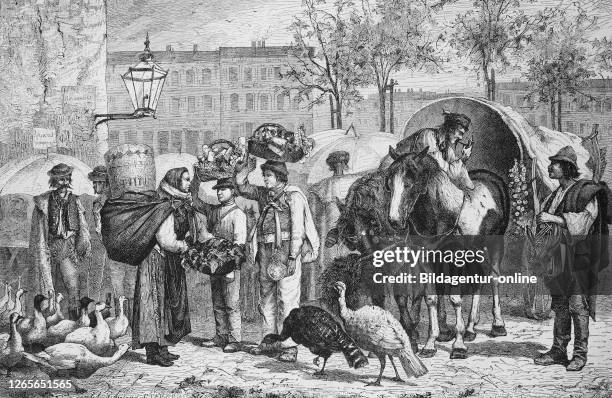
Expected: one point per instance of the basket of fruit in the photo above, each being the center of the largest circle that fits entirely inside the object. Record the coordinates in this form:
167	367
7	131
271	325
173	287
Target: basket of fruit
219	159
272	141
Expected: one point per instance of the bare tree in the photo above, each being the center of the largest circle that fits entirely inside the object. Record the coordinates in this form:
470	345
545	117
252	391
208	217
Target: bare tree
323	61
494	30
394	35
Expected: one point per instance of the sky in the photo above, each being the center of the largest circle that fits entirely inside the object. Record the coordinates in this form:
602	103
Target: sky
214	23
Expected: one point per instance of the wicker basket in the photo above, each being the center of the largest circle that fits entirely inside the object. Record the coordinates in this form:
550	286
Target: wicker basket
269	150
208	171
130	168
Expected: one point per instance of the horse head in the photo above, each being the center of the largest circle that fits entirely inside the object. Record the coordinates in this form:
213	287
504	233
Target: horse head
406	179
358	228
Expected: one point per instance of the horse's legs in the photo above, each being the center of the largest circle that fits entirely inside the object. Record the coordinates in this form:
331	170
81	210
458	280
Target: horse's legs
430	346
474	318
498	328
459	350
447	333
406	320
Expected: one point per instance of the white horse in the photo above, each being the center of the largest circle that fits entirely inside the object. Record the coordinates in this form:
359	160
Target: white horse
423	196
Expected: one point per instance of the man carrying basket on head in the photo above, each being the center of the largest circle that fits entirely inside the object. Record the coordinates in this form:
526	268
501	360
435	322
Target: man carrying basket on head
284	237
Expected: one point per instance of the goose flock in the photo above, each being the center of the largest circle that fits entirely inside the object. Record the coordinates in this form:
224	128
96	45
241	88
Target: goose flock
55	343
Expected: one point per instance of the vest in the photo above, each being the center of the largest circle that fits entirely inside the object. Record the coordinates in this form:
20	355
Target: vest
64	212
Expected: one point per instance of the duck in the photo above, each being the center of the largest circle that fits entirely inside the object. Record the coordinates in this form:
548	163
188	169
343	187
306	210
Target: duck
17	306
11	345
74	356
6	299
118	325
97	339
57	333
57	315
376	330
34	330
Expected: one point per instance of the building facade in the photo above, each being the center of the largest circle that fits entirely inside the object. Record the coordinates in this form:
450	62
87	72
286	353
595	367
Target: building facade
208	95
578	114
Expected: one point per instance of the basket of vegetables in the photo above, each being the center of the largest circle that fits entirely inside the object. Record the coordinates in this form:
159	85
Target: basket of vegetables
216	256
272	141
219	159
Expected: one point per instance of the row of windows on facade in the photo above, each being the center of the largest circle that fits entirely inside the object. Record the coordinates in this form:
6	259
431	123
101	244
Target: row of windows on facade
583	104
173	141
190	77
177	105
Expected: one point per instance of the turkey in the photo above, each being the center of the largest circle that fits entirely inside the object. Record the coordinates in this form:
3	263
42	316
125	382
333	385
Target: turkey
72	356
317	330
376	330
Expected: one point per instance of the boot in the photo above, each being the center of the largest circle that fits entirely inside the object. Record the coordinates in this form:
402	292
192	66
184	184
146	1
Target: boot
154	357
581	342
561	337
163	351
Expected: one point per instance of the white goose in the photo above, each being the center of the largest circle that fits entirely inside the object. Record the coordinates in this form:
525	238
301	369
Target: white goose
11	345
97	340
57	315
16	306
118	325
57	333
34	330
8	290
68	356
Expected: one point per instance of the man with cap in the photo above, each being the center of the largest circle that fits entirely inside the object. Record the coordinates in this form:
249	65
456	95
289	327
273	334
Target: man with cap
284	237
577	210
59	237
442	142
122	276
229	222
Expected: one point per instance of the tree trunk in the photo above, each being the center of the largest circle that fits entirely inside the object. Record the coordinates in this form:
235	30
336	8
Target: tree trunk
559	103
553	115
492	85
338	113
381	109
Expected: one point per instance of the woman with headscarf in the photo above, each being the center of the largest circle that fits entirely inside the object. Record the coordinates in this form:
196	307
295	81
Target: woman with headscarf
161	312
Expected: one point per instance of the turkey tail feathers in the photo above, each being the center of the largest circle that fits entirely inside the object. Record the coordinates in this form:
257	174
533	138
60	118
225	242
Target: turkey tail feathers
413	366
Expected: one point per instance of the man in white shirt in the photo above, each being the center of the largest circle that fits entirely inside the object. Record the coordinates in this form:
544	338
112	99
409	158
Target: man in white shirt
229	222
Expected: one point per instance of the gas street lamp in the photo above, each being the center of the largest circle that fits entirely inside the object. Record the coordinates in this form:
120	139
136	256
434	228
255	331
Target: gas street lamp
144	83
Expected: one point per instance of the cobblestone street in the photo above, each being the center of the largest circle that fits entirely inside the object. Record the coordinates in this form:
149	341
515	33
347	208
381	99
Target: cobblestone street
500	367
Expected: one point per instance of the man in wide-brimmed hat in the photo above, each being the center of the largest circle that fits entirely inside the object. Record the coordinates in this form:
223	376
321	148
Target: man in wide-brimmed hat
441	142
59	238
229	222
122	276
578	210
284	237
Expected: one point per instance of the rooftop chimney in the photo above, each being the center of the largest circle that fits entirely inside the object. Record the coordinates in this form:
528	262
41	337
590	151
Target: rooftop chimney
168	47
195	48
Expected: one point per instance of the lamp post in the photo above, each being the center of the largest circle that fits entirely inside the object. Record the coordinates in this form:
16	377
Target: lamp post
144	83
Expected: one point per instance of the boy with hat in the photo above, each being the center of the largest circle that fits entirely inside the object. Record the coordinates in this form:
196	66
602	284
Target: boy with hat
578	210
442	142
122	276
285	235
59	237
229	222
